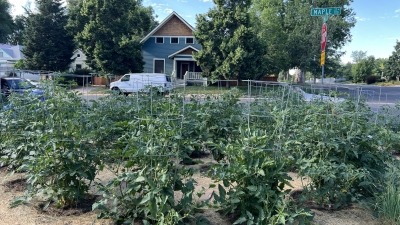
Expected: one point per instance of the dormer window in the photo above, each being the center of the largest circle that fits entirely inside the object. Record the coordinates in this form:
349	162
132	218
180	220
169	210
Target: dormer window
189	40
174	40
160	40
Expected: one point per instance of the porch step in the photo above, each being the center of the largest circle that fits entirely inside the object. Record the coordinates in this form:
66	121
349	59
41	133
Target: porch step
179	83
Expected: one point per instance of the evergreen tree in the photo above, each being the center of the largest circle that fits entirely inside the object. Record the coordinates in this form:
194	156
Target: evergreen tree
230	46
109	33
17	36
6	21
392	67
47	44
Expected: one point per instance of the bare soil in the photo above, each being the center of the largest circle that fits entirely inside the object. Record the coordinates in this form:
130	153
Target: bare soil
14	186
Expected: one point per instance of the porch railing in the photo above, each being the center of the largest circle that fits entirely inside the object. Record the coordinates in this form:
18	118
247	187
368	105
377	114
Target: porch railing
195	77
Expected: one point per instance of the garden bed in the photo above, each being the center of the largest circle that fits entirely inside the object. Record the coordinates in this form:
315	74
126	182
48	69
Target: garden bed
136	159
28	214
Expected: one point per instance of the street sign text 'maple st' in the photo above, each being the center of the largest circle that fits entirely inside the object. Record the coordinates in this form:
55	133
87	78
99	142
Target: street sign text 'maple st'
332	11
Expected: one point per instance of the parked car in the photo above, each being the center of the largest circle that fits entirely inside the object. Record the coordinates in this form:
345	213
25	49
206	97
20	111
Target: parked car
9	85
142	82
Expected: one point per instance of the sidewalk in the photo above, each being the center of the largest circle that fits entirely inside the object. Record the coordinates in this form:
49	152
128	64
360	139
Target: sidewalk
91	90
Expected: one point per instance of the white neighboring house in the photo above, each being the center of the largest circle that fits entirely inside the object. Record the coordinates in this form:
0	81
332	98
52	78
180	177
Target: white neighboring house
78	61
9	55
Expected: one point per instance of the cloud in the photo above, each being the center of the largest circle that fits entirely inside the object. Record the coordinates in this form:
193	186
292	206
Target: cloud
397	13
168	10
361	19
158	6
205	0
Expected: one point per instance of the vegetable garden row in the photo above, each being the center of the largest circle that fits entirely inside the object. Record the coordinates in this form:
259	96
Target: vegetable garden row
62	143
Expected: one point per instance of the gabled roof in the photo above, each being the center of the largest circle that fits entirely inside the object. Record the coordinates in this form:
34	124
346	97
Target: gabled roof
14	51
182	50
169	17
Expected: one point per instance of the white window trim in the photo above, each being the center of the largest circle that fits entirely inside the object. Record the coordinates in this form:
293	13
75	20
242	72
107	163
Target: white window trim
187	38
155	40
170	40
154	64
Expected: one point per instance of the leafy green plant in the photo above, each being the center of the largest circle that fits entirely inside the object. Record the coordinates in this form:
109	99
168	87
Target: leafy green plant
212	122
146	189
254	176
388	201
20	119
340	149
59	160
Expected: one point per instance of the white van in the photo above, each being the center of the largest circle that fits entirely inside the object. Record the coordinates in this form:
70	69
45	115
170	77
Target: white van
142	82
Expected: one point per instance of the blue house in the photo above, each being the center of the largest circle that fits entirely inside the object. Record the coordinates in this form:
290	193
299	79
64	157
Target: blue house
169	48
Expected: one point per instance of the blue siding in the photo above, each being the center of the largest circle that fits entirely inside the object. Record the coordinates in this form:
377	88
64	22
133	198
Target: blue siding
151	50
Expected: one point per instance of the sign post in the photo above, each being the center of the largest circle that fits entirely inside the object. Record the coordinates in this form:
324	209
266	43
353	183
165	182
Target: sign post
324	35
325	13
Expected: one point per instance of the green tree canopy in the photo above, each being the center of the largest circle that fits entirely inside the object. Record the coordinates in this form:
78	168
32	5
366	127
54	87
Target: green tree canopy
6	21
109	33
230	46
364	68
17	35
47	44
293	37
358	56
392	67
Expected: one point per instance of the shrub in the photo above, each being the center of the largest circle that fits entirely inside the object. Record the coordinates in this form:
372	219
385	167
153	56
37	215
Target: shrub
371	79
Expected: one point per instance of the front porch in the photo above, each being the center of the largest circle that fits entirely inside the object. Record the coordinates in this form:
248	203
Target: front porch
190	77
185	70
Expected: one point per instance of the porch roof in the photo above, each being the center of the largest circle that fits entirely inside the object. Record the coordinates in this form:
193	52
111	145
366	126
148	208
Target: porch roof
182	50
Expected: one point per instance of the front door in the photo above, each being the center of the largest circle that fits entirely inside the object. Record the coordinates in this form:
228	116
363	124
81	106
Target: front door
184	69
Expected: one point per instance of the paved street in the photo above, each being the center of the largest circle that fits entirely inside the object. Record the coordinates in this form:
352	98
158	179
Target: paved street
376	96
372	93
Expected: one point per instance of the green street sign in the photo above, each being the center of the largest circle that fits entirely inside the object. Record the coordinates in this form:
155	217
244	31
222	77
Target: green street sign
326	11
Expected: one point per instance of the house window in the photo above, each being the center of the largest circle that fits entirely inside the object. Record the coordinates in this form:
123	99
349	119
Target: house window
160	40
159	66
78	55
78	66
174	40
189	41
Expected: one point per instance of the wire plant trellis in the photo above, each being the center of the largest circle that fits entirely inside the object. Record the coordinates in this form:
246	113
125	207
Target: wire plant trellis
147	128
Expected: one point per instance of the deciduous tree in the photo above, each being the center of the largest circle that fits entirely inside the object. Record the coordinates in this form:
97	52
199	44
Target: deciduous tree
358	56
230	46
392	67
363	69
109	33
292	36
